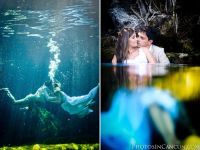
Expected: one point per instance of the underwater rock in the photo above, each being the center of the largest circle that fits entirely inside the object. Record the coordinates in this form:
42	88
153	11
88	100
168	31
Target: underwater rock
36	147
75	146
70	146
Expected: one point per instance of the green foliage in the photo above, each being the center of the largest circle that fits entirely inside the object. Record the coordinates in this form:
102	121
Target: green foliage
187	45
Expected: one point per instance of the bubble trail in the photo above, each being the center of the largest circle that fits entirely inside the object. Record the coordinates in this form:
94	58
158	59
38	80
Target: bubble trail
55	60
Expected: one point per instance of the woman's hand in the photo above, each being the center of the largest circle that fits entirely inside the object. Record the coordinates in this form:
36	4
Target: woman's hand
114	60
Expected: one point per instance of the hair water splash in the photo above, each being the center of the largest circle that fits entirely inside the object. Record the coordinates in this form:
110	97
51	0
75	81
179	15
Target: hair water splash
55	60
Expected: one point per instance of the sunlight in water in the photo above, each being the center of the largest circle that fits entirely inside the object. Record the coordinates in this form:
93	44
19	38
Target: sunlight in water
55	60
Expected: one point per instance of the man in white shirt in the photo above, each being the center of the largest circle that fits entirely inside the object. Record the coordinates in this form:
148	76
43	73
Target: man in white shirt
145	39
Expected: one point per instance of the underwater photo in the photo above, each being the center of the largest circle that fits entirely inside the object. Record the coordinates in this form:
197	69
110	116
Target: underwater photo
49	74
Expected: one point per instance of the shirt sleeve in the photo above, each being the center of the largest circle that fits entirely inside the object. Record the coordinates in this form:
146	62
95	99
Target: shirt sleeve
162	57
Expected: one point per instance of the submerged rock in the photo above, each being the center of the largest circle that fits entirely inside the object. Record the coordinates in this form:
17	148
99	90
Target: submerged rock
36	147
70	146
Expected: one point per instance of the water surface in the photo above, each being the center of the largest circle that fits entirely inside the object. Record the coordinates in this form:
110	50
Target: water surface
130	93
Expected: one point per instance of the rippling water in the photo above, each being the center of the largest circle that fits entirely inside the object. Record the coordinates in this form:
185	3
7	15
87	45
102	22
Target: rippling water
25	35
31	23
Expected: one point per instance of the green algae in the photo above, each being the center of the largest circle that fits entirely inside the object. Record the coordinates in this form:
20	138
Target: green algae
71	146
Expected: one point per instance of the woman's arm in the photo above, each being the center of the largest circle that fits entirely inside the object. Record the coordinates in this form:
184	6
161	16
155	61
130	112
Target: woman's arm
114	60
149	56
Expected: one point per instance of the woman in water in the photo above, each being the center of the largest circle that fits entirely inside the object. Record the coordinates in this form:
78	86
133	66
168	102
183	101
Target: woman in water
75	105
127	50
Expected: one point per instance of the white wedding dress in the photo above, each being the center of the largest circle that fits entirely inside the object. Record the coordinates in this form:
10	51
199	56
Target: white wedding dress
140	59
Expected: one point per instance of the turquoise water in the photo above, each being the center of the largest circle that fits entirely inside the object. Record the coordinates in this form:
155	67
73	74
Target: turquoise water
25	35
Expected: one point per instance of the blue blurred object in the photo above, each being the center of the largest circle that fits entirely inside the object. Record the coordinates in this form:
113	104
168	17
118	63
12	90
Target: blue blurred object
127	124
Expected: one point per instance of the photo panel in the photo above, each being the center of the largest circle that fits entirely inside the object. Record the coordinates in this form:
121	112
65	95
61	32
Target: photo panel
149	74
49	74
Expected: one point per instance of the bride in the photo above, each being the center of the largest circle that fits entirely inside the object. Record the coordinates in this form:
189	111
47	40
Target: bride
51	92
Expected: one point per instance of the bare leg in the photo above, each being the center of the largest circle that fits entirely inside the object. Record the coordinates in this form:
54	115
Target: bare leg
164	124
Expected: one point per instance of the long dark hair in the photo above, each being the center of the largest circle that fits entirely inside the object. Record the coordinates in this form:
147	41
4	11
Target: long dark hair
122	44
